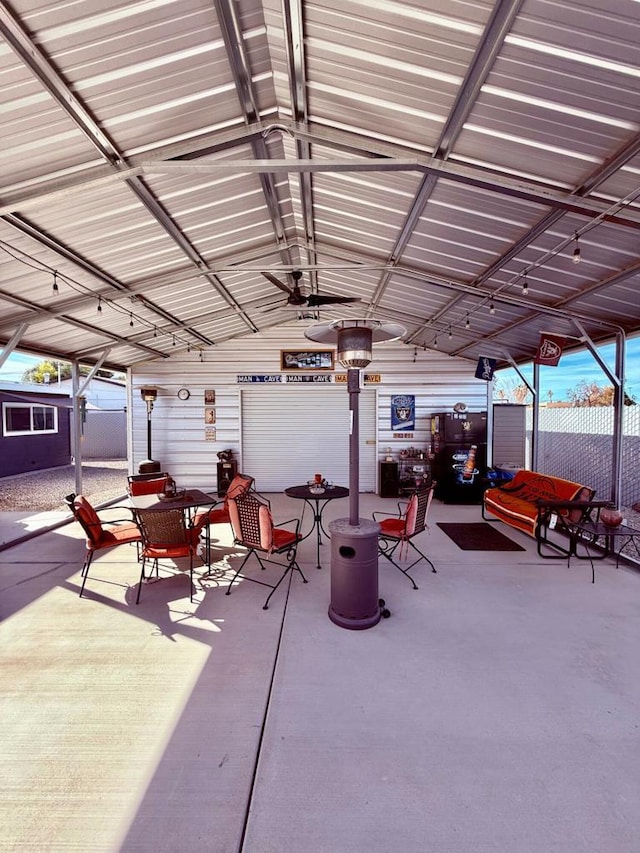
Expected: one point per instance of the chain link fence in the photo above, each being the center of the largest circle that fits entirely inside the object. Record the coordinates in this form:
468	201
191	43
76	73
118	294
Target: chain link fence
577	443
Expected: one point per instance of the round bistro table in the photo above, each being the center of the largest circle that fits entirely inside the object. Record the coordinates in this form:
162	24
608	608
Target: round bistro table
317	503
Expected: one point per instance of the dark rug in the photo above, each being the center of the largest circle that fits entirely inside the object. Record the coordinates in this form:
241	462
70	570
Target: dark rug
478	536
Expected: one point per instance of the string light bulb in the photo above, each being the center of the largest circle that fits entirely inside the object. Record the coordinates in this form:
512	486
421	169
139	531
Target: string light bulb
99	304
155	331
492	308
525	284
56	289
576	251
131	320
467	325
435	342
450	333
415	354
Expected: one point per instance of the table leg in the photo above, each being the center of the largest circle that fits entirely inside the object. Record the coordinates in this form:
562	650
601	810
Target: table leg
317	520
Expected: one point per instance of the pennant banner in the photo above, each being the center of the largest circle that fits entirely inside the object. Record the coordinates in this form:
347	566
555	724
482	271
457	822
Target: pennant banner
549	350
486	368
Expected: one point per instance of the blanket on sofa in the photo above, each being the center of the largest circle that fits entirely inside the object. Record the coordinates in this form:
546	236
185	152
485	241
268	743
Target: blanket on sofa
517	502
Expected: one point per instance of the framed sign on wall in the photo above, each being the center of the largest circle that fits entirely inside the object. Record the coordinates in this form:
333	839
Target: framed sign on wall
306	359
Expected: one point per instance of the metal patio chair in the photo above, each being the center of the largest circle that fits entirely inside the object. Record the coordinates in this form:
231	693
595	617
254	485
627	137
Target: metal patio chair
101	534
254	529
166	536
398	531
240	484
204	518
147	484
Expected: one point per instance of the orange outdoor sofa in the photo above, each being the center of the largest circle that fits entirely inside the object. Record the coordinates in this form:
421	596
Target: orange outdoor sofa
526	502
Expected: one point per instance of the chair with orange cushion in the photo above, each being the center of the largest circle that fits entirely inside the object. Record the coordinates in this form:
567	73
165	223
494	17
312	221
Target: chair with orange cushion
399	530
100	534
147	484
166	536
240	484
253	529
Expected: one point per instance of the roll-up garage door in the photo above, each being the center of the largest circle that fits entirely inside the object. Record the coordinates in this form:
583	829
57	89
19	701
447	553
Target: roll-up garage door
290	434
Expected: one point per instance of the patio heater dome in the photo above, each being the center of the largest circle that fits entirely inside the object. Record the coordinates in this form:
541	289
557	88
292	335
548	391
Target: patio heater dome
354	338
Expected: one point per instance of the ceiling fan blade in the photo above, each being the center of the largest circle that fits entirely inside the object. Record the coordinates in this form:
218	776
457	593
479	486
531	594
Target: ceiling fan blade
277	282
316	299
278	307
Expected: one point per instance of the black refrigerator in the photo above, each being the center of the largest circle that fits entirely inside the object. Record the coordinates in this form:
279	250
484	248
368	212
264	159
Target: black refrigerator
459	447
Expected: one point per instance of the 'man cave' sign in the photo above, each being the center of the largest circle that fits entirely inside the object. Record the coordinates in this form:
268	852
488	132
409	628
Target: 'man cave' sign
300	378
368	377
248	379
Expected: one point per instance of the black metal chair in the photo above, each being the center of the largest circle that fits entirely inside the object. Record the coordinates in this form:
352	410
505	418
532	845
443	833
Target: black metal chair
254	529
398	531
166	536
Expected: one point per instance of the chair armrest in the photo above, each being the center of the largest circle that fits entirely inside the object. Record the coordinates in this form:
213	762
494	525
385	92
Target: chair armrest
546	507
402	506
294	521
102	513
509	486
544	503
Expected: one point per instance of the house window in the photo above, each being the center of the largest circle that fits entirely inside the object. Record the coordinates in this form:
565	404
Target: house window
26	418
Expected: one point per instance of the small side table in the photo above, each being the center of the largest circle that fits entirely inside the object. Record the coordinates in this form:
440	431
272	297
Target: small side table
317	504
588	533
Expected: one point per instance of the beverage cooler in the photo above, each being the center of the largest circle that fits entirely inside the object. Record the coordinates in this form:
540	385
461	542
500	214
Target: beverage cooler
459	446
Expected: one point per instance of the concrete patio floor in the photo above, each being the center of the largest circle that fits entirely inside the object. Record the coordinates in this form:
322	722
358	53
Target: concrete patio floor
495	710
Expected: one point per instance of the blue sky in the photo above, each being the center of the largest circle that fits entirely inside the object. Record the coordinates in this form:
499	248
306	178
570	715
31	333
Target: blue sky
573	368
17	363
15	366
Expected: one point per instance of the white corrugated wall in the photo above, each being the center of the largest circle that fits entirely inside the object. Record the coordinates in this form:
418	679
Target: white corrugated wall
179	437
291	433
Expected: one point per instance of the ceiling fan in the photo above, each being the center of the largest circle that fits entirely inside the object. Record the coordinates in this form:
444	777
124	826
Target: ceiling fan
297	299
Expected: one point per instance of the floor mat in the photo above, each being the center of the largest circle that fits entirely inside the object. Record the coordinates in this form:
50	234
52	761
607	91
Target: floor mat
478	536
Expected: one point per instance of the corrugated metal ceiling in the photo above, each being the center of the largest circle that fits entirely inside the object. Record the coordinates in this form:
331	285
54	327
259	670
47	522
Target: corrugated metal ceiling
427	158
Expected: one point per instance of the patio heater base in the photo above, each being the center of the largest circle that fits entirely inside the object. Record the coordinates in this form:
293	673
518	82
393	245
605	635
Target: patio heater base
149	467
354	574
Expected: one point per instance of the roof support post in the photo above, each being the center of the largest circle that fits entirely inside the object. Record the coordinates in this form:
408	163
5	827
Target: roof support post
616	378
77	425
535	424
618	420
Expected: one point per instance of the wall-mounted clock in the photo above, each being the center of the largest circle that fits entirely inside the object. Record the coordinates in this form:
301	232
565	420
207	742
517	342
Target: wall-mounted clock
184	394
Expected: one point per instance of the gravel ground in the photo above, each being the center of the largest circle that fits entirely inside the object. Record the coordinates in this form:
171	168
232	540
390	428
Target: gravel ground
103	480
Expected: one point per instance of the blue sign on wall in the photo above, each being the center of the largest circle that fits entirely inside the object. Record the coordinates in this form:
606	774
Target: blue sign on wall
403	411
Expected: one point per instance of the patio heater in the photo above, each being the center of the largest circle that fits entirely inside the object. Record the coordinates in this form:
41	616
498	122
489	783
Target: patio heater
148	466
354	541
